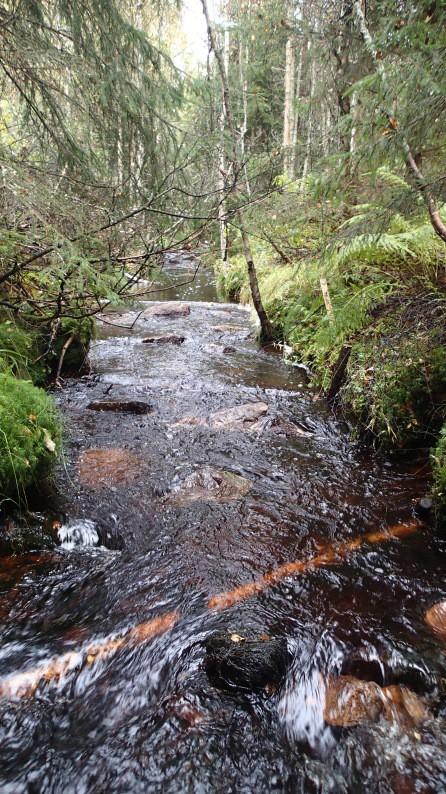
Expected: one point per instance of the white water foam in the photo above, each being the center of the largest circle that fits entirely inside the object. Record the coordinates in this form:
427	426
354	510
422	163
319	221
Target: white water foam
77	534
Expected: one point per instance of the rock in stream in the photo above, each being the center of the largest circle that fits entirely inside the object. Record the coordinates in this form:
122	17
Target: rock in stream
210	485
237	661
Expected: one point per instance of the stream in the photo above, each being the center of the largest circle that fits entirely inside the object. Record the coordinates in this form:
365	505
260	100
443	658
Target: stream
102	681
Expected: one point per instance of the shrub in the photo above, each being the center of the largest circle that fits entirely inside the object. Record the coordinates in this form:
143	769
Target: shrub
30	435
439	471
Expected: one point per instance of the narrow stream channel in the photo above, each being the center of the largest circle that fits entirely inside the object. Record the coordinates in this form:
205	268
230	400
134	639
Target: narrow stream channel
102	683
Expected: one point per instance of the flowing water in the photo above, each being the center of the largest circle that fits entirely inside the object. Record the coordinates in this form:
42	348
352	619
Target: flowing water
102	684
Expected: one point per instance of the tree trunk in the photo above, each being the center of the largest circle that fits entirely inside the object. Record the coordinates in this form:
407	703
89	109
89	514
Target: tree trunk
265	325
296	107
288	113
307	162
221	182
244	128
421	183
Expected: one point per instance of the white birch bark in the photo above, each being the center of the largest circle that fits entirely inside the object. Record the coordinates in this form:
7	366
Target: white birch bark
288	111
221	181
307	161
243	54
296	108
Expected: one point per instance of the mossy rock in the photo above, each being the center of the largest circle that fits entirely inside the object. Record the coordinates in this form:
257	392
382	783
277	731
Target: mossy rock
30	436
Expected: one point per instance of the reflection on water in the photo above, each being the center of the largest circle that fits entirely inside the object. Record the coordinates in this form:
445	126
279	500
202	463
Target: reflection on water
116	697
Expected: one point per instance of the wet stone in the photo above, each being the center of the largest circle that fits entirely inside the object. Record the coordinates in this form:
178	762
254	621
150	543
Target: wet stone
121	406
289	429
100	467
209	484
229	328
239	417
169	339
350	701
242	417
424	507
172	309
436	618
239	661
220	350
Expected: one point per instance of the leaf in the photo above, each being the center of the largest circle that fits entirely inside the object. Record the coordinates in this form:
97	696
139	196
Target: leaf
48	441
237	638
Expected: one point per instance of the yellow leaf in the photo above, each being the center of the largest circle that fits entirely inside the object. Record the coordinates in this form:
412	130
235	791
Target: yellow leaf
48	441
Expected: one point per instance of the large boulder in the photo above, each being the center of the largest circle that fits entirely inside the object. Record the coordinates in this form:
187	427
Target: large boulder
210	485
237	661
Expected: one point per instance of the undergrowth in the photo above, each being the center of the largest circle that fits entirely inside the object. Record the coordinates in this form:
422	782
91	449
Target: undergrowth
30	436
389	306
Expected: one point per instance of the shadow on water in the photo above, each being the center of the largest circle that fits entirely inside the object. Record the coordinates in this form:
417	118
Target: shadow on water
109	637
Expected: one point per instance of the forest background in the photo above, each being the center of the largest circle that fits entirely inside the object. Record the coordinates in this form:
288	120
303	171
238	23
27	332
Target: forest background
302	155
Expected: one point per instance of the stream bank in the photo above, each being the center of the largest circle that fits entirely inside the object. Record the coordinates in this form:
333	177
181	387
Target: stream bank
236	503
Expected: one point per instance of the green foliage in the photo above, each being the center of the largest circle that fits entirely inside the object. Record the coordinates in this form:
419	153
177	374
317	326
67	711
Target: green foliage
231	278
18	350
30	436
396	385
439	470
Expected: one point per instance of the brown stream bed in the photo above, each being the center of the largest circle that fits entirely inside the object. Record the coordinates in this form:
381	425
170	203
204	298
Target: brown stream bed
201	521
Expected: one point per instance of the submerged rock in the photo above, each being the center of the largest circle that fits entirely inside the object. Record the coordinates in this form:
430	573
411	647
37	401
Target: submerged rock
172	309
228	328
349	702
234	661
121	406
436	618
99	467
209	484
220	350
240	417
289	429
424	506
169	339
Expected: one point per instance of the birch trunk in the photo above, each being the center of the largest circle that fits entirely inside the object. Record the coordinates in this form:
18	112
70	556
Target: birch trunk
288	114
243	68
296	108
221	184
307	162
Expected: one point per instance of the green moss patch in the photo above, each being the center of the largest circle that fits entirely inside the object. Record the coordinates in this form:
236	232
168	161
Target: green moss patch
30	436
439	471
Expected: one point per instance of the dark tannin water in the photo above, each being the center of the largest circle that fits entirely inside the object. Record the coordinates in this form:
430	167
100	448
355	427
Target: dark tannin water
102	681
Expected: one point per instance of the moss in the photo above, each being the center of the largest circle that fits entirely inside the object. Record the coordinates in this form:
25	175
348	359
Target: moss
20	349
30	436
396	382
439	471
